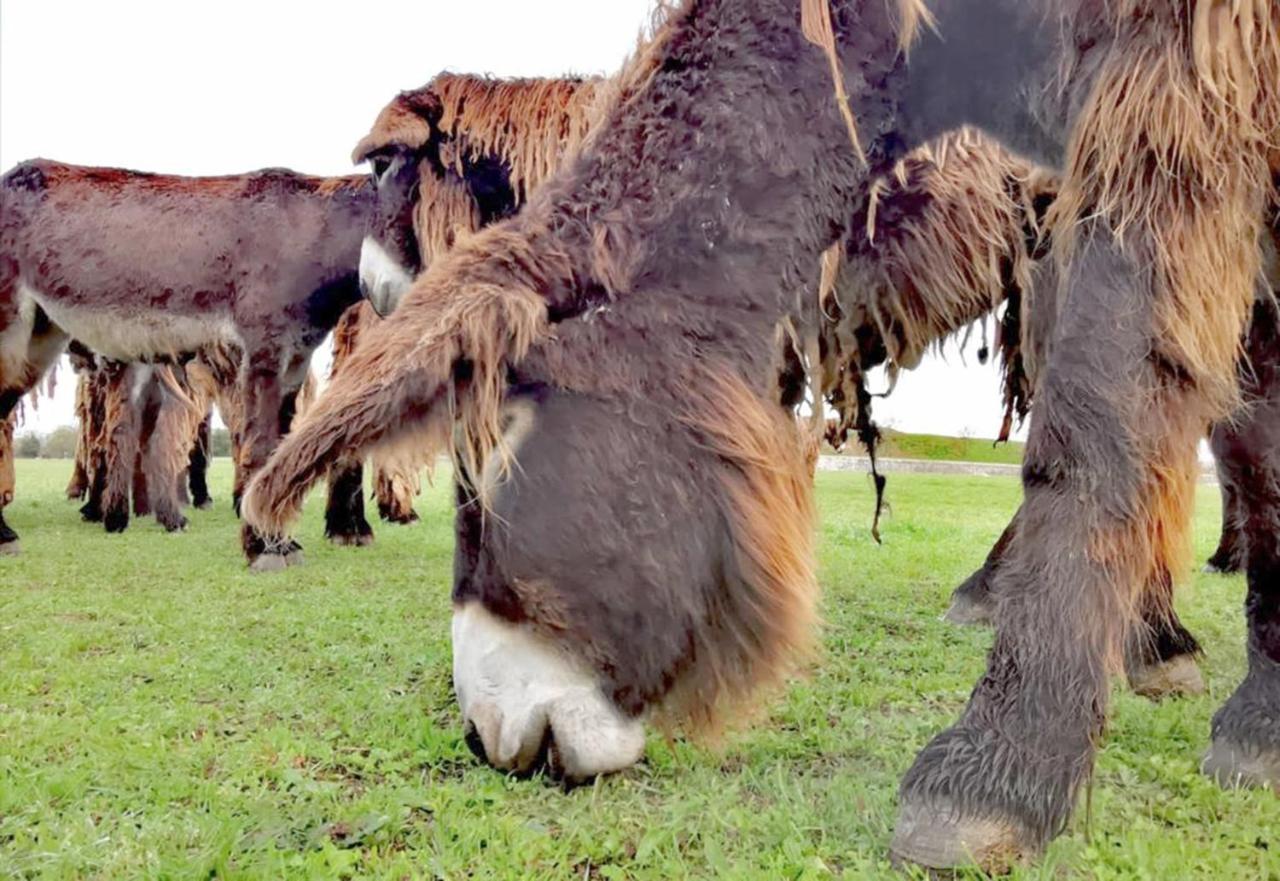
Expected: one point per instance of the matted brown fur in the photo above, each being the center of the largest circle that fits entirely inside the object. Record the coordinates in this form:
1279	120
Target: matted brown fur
767	627
948	234
1172	146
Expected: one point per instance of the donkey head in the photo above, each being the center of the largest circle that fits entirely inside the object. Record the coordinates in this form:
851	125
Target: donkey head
430	190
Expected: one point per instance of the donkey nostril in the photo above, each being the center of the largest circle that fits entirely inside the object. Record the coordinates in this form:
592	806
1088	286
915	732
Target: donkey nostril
475	742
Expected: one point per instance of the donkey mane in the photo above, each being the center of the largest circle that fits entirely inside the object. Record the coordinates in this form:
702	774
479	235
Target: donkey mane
530	123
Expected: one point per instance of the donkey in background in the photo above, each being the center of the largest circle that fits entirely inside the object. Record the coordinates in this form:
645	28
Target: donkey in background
265	262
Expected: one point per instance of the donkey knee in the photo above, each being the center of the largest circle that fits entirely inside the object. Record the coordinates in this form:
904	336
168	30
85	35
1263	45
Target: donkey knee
526	704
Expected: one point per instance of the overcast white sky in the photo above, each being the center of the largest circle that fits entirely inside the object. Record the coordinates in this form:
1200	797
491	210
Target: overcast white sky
215	88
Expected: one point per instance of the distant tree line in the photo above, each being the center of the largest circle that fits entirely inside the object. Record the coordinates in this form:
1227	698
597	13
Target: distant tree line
61	444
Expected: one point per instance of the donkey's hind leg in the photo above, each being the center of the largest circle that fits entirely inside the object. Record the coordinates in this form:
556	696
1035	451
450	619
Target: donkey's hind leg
1161	658
122	427
973	602
1225	441
1246	731
395	484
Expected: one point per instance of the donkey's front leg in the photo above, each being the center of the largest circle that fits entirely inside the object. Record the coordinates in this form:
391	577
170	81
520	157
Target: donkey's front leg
344	520
198	466
8	483
973	602
261	388
1109	476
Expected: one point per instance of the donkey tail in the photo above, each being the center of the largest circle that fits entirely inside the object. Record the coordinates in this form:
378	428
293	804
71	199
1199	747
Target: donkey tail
440	359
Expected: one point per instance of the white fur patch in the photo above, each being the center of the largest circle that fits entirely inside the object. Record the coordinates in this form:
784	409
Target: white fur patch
382	278
15	341
139	334
513	685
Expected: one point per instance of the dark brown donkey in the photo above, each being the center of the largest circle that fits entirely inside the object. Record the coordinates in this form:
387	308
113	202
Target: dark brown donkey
141	267
650	557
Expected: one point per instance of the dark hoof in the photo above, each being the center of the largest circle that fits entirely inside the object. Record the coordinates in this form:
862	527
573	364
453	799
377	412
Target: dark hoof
204	505
10	548
351	540
395	515
1237	767
269	563
1177	677
1216	567
966	611
116	521
178	524
90	514
940	838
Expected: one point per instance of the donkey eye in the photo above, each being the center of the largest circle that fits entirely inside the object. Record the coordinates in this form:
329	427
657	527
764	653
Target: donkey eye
381	164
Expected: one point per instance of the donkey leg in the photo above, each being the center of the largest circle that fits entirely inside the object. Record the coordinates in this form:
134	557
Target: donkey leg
198	466
1161	655
1228	559
122	432
8	483
165	459
973	603
344	520
394	486
1246	730
263	409
1109	474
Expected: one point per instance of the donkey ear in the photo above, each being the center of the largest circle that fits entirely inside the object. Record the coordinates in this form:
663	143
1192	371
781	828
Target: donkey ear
405	123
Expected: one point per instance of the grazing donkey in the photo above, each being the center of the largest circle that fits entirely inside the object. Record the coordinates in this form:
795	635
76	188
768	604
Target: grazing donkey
265	261
619	337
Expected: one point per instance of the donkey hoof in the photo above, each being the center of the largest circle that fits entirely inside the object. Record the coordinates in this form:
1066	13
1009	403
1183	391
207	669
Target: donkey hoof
204	505
1177	677
353	540
116	521
526	704
269	563
295	558
1215	568
968	612
178	525
10	549
940	837
1238	767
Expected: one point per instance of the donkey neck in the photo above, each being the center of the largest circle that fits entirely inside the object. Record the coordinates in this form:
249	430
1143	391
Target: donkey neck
722	176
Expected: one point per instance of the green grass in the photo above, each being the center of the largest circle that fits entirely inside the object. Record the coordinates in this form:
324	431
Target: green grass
163	714
900	445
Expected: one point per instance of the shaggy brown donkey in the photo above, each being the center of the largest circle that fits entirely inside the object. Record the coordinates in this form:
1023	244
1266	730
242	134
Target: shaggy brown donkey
620	335
266	261
135	442
455	155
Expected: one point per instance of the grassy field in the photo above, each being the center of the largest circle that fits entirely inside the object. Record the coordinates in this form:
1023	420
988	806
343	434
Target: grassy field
941	448
163	714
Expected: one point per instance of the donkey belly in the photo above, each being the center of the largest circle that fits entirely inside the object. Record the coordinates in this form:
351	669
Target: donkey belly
129	333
